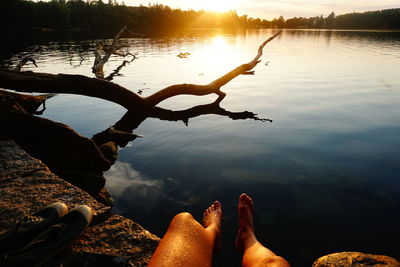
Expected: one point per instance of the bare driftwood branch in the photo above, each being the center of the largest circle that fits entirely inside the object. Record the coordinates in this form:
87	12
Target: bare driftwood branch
119	137
99	61
132	120
71	84
213	87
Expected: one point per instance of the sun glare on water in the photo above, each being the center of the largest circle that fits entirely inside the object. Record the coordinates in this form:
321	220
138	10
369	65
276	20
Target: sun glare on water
219	52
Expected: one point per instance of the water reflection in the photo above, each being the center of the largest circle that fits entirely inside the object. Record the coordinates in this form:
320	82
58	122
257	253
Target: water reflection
217	55
132	119
134	190
117	71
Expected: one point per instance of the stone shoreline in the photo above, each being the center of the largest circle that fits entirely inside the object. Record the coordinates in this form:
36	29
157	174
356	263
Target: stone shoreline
27	185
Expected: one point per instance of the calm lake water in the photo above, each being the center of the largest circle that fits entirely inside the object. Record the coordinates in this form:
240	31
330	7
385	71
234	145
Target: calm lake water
324	175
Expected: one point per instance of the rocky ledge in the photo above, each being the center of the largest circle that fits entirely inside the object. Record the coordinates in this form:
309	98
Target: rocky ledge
355	259
27	185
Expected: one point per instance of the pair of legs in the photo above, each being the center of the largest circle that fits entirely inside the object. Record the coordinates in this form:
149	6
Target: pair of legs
187	243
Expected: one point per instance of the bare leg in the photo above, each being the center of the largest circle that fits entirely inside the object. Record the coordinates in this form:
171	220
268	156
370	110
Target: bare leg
187	243
254	253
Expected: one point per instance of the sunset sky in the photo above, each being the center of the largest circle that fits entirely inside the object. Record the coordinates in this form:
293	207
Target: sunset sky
269	9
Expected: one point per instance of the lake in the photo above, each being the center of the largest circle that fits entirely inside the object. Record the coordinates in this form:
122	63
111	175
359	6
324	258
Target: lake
324	175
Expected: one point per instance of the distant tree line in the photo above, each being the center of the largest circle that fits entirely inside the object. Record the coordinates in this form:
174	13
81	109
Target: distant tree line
384	19
108	18
97	16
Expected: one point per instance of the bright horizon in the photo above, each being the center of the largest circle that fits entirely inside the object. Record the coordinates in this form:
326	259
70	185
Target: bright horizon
269	9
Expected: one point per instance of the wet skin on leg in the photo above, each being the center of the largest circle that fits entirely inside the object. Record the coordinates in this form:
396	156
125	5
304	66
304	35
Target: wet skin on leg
188	243
254	253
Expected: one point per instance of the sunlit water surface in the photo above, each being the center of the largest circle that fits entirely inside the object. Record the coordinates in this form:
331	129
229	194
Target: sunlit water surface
324	174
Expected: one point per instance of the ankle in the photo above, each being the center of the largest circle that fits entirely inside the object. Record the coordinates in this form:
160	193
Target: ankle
248	238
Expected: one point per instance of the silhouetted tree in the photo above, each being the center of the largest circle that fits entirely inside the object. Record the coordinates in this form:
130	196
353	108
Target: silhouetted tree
330	20
384	19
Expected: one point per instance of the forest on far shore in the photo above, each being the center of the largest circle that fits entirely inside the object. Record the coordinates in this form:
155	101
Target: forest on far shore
108	18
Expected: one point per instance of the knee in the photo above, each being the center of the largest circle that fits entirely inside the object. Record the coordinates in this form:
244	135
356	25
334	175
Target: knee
183	217
277	261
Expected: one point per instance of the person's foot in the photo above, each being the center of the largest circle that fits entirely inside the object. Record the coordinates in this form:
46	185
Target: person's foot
245	236
212	221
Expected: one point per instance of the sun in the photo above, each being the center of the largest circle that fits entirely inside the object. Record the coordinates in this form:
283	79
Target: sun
216	5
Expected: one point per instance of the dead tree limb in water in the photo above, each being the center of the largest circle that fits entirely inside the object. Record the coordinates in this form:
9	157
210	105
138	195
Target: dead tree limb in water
71	84
99	61
132	120
213	87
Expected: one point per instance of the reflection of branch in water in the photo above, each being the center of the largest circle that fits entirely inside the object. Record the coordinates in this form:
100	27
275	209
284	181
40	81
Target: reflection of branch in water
23	62
72	52
30	103
213	108
131	120
75	65
118	69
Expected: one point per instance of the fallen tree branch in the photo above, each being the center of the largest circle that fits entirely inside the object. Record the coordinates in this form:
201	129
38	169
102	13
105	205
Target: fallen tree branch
71	84
99	61
182	89
245	68
213	87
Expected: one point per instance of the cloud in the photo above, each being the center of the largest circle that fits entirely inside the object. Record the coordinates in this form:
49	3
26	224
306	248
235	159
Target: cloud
133	189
